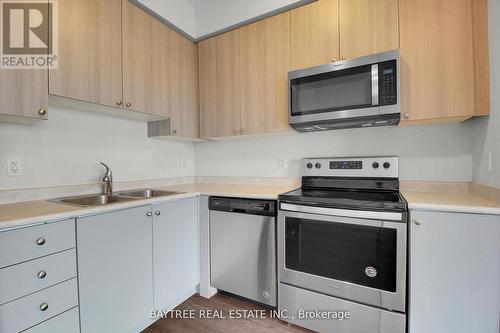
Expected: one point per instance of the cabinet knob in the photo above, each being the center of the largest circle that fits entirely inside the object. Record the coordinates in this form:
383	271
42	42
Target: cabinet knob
344	58
174	131
149	214
242	130
119	103
44	307
42	112
417	221
157	213
40	241
42	274
334	60
128	104
406	116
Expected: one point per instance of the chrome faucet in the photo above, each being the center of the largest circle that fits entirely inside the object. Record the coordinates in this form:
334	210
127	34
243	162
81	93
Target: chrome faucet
107	180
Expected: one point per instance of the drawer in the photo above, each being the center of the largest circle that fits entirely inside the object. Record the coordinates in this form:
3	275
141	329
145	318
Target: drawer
68	322
31	276
27	312
34	242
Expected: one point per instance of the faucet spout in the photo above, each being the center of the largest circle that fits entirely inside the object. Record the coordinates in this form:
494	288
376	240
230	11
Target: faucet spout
107	180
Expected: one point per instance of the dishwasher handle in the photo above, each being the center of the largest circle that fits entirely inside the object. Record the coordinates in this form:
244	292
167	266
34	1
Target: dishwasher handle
243	206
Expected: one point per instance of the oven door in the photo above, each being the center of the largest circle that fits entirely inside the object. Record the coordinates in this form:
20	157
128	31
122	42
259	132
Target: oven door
362	260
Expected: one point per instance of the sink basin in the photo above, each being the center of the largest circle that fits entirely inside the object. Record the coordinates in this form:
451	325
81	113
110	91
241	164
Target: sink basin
146	194
93	200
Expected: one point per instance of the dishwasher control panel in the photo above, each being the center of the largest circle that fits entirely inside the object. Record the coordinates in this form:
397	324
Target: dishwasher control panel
243	206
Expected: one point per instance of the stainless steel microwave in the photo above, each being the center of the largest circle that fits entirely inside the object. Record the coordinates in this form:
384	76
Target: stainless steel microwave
359	92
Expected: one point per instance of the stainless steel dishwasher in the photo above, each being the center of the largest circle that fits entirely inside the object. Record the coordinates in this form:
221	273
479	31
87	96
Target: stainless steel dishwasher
243	247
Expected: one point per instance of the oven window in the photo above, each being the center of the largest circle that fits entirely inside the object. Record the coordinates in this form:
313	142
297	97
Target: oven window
353	253
333	91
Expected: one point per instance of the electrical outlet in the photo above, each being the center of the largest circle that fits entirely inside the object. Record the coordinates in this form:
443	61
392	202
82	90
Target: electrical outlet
488	163
14	167
283	164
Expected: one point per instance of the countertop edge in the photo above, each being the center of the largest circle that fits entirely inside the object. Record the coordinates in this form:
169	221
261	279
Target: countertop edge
480	210
82	212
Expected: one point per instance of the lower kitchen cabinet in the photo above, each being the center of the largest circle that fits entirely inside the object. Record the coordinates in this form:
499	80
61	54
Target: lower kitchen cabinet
175	252
454	273
115	271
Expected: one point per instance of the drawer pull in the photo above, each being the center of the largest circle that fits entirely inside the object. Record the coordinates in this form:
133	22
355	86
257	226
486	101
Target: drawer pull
40	241
42	274
44	307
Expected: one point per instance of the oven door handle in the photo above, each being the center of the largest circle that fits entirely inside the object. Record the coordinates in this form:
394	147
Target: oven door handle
385	216
375	85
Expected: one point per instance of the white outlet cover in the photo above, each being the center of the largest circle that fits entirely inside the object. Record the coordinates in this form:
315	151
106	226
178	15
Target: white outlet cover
14	167
283	164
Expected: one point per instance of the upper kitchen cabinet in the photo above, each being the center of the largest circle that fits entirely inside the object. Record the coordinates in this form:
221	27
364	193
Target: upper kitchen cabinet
90	52
264	67
184	116
444	60
23	95
368	26
315	34
146	62
219	70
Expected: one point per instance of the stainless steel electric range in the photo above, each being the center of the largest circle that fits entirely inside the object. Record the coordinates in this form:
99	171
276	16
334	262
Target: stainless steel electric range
342	246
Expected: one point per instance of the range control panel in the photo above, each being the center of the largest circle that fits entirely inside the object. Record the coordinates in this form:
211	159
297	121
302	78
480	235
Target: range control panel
373	167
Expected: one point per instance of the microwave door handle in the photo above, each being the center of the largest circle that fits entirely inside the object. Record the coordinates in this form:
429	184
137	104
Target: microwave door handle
375	85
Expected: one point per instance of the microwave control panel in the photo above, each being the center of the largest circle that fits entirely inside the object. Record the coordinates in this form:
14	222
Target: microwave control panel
388	89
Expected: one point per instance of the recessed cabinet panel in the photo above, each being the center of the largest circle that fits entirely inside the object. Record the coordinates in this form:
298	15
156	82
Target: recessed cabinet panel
315	34
368	27
90	52
115	270
220	99
175	252
146	62
265	63
437	80
184	86
454	272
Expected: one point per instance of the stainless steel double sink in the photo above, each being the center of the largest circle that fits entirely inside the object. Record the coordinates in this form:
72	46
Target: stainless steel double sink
94	200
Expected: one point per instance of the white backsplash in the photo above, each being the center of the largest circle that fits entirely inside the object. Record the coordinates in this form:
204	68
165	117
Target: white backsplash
67	149
432	153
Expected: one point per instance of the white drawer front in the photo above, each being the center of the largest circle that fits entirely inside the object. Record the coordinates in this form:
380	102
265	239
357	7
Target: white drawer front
25	244
68	322
26	312
26	278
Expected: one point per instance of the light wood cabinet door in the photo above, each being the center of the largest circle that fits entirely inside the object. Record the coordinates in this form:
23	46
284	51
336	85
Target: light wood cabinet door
436	60
184	116
220	101
90	52
23	94
146	62
315	34
265	63
368	26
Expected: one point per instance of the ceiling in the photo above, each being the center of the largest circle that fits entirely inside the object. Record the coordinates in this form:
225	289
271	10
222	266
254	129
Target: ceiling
203	18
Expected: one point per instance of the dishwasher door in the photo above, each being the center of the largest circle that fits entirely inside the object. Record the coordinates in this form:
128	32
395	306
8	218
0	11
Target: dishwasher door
243	255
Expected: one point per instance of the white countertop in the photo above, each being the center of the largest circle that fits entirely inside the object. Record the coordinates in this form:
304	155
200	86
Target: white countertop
33	212
451	202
